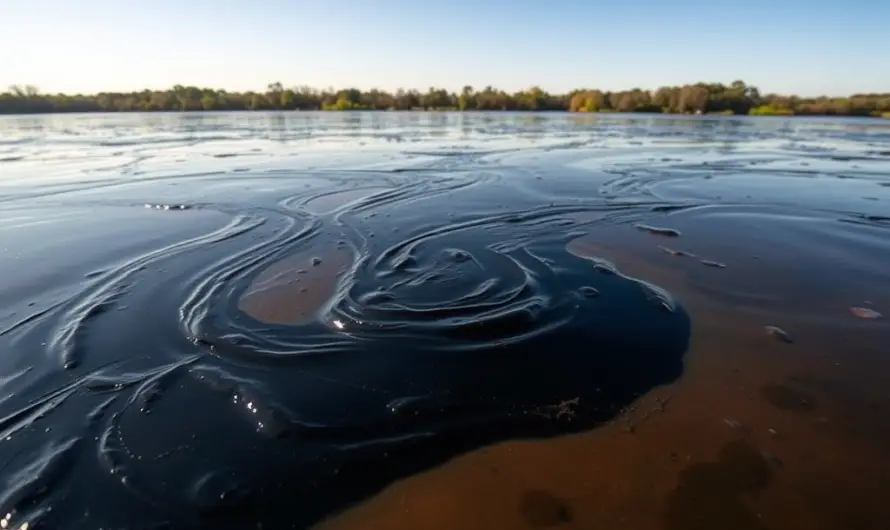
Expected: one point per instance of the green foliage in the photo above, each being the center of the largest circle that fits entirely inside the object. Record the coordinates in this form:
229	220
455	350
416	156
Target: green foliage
770	110
704	98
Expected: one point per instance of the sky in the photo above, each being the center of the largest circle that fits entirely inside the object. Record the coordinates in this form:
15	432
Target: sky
808	48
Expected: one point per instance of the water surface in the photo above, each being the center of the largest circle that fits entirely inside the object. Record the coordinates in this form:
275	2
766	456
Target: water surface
260	320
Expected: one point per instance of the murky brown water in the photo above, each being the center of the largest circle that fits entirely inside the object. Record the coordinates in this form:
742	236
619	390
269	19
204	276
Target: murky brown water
295	288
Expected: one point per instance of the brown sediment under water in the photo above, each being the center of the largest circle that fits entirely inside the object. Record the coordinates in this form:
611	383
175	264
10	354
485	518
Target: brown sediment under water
757	433
295	288
415	320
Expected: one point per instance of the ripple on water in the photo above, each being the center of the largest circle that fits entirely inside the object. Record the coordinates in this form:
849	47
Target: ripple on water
293	363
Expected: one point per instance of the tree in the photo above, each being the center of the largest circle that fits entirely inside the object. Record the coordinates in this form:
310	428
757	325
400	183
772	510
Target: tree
466	99
737	98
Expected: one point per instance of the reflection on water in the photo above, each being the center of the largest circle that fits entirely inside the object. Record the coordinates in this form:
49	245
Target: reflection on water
405	308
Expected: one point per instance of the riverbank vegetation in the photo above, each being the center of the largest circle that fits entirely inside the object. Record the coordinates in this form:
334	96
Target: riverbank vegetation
735	98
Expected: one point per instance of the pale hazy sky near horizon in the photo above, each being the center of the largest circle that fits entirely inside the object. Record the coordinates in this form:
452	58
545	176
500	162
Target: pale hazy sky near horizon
787	46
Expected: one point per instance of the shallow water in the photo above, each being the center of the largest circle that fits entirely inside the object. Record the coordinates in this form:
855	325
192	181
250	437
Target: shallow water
260	320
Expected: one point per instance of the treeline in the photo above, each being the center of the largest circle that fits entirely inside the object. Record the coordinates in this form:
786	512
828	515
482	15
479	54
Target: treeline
735	98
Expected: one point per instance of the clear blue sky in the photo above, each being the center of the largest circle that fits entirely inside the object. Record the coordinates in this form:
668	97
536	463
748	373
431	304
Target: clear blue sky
805	47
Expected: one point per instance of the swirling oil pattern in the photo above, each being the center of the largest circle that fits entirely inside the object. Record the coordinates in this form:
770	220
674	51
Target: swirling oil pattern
255	321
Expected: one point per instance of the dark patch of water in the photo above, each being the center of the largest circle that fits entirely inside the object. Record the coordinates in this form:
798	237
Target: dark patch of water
713	493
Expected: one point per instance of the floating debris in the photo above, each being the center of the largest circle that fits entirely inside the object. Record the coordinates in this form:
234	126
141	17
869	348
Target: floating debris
673	252
168	206
659	231
565	409
714	264
631	419
864	312
780	334
662	403
735	424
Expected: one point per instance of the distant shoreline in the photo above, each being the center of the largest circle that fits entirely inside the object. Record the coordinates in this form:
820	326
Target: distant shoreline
433	111
736	98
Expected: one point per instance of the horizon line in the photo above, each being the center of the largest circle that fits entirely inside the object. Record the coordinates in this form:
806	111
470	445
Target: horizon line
10	89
